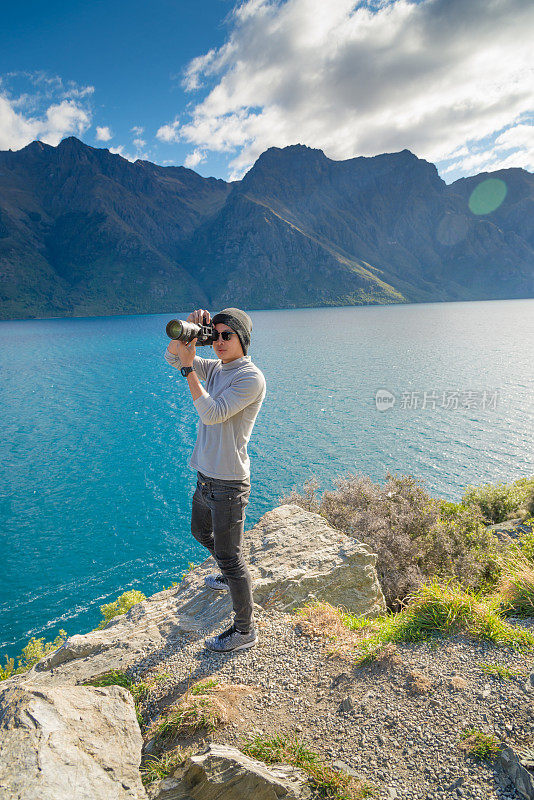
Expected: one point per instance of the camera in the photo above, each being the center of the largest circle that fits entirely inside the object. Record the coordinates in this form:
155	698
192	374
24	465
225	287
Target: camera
186	331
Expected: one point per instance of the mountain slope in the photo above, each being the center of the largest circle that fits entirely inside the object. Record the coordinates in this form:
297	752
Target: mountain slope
85	232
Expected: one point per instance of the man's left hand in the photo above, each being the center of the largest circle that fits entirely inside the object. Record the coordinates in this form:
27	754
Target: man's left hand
187	353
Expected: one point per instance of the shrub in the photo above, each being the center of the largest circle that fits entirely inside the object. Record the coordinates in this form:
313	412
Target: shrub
309	500
415	537
523	493
525	541
500	502
121	605
34	651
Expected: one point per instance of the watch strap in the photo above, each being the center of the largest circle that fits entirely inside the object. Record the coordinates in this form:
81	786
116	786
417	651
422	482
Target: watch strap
186	370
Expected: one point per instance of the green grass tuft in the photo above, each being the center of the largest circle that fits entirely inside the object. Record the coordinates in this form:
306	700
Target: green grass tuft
203	687
498	671
328	783
437	610
479	745
154	768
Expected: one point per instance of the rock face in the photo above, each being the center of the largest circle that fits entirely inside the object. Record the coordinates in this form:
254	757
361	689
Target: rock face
521	777
57	735
69	743
296	556
224	773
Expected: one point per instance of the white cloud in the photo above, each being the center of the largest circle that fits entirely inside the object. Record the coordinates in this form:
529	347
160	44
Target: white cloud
437	77
138	130
60	120
103	134
194	159
120	151
514	147
50	111
139	143
168	133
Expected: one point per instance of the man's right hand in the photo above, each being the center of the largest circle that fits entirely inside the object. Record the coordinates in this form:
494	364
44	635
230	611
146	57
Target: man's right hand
200	316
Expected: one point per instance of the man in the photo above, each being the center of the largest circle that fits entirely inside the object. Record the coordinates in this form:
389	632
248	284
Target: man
227	407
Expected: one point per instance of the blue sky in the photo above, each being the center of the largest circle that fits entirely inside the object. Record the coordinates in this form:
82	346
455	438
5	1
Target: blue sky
212	84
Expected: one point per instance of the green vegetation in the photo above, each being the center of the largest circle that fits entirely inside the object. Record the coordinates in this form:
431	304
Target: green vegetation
121	605
203	687
34	651
525	541
498	671
154	768
502	501
479	745
437	610
327	782
516	588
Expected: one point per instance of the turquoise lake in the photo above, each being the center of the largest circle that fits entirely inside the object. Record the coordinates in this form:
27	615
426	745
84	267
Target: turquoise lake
97	430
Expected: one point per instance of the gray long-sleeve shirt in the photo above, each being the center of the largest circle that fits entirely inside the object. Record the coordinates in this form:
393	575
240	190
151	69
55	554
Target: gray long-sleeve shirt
236	391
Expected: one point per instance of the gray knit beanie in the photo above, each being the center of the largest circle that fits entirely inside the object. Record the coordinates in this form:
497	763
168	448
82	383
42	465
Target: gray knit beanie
238	321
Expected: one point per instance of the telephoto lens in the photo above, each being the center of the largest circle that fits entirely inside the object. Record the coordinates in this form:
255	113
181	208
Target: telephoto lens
187	331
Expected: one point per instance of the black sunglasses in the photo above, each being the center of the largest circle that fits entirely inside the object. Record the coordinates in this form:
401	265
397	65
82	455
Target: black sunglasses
225	335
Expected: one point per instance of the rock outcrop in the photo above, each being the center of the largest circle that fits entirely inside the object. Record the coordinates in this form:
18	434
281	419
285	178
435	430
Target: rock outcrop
73	742
295	556
76	742
223	772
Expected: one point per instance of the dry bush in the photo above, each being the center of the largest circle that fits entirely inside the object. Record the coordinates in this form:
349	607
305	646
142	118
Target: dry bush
324	620
418	682
415	537
216	706
458	683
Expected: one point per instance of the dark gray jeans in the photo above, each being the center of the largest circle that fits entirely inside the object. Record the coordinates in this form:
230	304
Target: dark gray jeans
218	522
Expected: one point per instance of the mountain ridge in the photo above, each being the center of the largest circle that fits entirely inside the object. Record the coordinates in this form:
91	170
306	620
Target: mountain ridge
86	232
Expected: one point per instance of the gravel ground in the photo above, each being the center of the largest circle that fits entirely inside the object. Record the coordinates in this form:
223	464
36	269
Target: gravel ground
398	729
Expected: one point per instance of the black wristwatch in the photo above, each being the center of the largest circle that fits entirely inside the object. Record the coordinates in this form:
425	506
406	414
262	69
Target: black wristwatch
186	370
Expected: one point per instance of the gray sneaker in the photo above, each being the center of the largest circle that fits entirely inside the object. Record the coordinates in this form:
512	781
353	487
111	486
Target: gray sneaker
232	639
216	581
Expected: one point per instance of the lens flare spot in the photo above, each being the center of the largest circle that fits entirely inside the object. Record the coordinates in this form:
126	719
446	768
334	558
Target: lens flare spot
487	196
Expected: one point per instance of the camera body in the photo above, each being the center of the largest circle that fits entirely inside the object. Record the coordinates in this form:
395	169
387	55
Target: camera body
187	331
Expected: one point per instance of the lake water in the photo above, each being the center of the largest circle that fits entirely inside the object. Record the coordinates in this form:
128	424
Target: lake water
97	430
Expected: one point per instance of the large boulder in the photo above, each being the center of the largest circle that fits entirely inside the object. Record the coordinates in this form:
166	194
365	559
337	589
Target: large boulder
221	772
296	556
69	743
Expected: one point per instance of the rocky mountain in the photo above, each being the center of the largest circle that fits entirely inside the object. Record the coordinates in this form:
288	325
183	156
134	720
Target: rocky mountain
86	232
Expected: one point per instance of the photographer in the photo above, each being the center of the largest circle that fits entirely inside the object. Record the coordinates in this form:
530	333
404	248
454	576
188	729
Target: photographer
227	407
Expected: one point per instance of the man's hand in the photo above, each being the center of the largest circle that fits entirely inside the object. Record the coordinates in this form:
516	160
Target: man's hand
200	316
187	352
